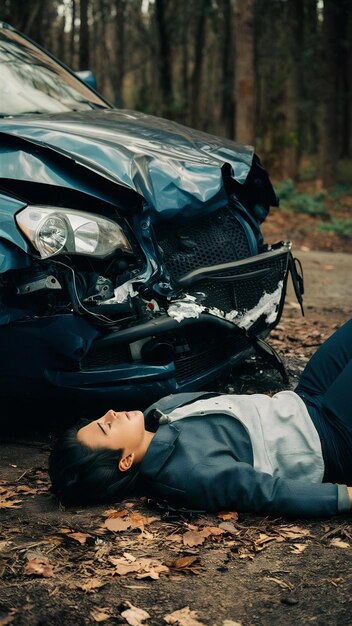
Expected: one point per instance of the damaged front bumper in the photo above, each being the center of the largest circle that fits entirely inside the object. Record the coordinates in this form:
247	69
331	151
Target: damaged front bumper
198	334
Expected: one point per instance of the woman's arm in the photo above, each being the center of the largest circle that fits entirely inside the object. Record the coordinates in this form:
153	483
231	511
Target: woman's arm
216	486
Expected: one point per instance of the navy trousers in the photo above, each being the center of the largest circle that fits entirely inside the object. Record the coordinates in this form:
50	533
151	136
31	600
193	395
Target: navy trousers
326	387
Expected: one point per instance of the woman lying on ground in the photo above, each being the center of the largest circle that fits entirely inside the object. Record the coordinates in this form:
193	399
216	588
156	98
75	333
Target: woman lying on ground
290	454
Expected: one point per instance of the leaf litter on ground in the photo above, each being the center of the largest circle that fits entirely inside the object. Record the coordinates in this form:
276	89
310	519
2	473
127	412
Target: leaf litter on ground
119	521
183	617
139	567
134	616
38	566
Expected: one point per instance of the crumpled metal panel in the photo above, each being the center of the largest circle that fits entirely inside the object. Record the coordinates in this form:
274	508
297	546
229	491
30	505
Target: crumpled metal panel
175	168
10	256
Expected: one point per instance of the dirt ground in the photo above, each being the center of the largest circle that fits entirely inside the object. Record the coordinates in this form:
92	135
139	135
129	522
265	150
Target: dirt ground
136	563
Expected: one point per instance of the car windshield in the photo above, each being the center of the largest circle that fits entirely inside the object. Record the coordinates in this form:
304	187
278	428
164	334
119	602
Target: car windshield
32	82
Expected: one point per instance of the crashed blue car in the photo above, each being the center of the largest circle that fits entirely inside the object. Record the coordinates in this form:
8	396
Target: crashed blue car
132	263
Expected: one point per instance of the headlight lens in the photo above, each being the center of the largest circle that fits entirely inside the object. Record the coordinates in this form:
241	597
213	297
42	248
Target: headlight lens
51	237
58	230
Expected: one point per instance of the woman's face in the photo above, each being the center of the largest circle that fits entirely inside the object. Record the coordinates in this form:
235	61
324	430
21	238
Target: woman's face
115	430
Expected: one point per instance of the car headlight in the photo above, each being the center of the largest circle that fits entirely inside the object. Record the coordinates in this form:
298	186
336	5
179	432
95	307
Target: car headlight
58	230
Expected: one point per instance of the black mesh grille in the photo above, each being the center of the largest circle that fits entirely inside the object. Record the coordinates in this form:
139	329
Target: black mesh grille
216	238
211	354
106	356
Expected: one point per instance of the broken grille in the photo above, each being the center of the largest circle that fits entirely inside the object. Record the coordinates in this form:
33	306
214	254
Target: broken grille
241	288
206	241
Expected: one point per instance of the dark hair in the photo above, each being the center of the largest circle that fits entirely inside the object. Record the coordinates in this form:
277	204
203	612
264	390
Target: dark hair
80	475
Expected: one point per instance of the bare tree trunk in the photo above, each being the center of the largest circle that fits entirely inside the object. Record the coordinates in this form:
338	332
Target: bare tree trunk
72	34
60	48
119	72
105	64
185	63
344	63
227	107
33	20
198	62
328	122
244	72
294	23
311	95
84	57
349	93
165	80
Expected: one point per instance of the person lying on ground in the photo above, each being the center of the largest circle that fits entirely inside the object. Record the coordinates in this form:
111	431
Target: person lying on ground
289	454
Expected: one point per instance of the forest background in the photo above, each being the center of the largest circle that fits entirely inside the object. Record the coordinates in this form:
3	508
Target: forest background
276	74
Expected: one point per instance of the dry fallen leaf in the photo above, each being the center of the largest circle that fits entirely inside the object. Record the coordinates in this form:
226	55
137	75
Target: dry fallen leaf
99	615
130	557
139	521
338	543
230	622
7	503
193	538
197	537
183	617
263	541
134	616
38	566
297	548
153	572
142	568
91	585
226	516
117	524
293	532
185	564
124	568
212	531
115	513
80	537
26	489
229	527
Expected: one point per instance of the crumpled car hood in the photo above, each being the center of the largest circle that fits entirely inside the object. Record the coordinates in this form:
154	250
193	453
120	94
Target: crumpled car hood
174	168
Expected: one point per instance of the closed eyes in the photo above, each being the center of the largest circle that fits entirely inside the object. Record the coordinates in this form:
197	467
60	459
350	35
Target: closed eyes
101	428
